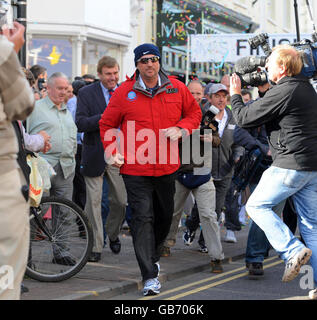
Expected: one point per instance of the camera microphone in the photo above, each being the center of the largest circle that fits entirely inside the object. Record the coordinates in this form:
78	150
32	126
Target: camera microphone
249	64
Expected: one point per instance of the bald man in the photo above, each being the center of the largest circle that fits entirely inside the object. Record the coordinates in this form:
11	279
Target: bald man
196	89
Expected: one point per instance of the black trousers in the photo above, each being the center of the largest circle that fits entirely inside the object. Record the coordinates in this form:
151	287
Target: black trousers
79	186
232	209
151	200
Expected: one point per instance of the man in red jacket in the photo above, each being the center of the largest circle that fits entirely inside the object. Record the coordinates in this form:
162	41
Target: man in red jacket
153	111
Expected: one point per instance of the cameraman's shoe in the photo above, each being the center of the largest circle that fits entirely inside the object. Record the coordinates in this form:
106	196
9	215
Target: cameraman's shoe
294	264
313	294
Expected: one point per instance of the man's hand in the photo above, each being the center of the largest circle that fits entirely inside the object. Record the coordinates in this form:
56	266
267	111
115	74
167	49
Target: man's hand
45	136
174	133
207	137
235	85
15	35
47	144
47	147
116	161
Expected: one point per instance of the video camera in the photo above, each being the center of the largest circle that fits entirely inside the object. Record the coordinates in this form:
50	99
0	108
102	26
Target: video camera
249	68
208	121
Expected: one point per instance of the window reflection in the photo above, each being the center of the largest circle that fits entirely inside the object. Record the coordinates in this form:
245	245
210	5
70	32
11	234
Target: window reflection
53	54
93	51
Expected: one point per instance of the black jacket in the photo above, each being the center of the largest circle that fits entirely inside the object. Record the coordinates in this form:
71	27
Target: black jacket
289	110
90	106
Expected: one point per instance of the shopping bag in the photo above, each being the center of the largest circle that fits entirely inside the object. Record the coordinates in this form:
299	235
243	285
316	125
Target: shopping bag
36	182
46	171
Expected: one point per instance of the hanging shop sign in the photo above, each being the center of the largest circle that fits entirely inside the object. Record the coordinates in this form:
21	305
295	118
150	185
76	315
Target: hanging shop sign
174	28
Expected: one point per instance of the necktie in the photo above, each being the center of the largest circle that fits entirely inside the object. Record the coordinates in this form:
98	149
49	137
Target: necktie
111	91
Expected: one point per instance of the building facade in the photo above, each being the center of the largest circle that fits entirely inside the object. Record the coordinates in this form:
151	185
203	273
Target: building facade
178	20
275	16
71	36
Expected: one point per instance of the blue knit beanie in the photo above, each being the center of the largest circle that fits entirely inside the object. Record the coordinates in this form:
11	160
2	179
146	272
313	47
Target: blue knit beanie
146	48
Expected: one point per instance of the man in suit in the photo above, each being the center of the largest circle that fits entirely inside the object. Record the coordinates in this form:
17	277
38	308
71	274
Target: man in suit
92	101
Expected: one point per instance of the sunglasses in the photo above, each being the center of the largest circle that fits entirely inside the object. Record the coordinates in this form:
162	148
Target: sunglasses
146	60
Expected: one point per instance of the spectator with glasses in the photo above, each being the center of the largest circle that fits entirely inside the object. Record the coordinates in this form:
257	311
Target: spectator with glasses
152	104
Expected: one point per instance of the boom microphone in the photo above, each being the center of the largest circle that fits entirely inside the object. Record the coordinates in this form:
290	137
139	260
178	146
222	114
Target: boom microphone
249	64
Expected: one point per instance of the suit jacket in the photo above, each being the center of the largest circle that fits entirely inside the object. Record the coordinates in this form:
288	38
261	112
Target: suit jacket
90	106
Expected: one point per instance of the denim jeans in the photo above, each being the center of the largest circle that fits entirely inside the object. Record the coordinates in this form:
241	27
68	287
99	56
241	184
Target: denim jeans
276	185
257	245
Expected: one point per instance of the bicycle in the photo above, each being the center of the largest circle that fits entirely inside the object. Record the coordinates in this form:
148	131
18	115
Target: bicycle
61	240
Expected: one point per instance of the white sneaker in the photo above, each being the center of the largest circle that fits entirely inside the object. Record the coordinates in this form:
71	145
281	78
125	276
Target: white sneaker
313	294
230	237
151	287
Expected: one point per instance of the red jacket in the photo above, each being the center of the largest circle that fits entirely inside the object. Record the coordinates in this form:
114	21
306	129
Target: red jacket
140	118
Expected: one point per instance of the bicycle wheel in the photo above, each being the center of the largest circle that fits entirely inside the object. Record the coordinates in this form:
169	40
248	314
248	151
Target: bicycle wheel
61	240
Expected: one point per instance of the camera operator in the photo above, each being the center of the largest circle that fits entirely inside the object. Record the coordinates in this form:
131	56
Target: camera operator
40	76
289	111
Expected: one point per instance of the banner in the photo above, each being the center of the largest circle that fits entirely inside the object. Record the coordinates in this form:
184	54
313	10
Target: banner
174	28
221	48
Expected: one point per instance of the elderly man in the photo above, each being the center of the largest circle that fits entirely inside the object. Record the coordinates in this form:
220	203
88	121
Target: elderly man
289	112
196	89
51	114
149	106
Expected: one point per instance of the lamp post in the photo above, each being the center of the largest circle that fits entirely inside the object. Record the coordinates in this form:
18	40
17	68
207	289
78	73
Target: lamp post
21	6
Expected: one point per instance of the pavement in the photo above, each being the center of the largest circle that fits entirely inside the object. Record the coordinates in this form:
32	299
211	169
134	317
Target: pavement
119	273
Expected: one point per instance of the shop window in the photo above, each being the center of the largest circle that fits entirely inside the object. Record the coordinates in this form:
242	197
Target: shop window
94	51
53	54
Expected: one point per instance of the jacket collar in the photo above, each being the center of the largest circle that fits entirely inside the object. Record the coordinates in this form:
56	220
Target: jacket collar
165	81
298	78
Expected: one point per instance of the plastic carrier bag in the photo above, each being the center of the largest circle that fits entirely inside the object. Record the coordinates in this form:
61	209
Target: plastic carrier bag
36	182
41	172
46	171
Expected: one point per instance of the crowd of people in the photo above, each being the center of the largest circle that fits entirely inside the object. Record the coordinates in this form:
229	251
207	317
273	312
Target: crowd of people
126	152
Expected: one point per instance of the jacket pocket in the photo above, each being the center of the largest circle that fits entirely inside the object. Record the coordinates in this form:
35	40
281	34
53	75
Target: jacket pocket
173	107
